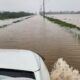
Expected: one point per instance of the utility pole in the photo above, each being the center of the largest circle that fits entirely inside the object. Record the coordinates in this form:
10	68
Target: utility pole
43	8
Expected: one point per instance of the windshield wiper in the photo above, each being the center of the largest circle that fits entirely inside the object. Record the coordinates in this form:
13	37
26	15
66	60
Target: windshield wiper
17	73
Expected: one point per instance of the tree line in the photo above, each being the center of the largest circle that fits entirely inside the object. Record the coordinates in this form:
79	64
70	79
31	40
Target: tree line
8	15
61	12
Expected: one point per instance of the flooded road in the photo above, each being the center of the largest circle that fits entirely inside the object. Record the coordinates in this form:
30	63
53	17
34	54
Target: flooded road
44	37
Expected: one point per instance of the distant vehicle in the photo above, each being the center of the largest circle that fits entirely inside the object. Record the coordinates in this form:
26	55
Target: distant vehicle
22	65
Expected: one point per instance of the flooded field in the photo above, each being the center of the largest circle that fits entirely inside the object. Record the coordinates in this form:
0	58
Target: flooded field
41	36
10	21
70	18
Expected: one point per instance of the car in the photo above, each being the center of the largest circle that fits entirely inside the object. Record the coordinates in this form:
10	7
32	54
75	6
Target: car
22	65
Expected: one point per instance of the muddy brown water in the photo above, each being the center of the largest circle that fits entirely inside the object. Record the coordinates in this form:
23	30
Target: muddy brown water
43	37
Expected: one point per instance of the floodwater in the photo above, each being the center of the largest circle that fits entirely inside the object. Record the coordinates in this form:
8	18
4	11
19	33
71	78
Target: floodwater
70	18
62	71
43	37
10	21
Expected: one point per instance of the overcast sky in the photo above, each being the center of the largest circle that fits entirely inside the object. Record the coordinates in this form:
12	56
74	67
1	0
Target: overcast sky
35	5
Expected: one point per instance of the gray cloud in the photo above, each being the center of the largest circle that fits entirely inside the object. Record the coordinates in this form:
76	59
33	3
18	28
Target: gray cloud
63	5
34	5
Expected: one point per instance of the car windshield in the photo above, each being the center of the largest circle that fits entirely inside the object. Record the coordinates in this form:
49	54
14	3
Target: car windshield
9	74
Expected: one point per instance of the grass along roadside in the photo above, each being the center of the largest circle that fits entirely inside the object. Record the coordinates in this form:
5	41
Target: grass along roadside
62	23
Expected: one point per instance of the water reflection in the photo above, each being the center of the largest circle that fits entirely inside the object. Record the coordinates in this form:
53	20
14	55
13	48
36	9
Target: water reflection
75	33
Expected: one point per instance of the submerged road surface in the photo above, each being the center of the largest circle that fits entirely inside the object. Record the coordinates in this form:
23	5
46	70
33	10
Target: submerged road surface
43	37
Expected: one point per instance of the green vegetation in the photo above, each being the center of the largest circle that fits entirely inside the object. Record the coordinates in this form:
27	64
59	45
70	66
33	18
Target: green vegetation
17	21
9	15
4	25
62	23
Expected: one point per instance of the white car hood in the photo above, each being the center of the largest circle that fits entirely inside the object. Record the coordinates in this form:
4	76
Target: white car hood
19	59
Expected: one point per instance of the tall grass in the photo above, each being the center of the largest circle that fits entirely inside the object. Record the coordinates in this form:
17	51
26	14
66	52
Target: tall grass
62	71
